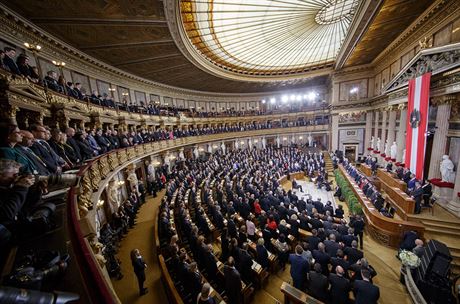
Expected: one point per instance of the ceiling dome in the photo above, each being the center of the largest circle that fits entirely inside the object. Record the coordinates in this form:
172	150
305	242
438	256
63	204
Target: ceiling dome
268	37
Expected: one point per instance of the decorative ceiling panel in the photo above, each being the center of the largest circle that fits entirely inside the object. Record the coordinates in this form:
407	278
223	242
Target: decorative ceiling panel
392	19
268	37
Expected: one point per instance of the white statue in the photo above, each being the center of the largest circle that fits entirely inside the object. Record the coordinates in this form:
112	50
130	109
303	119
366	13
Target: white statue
167	162
133	180
278	141
150	171
250	144
181	154
377	147
393	150
372	142
447	169
112	196
403	159
237	144
196	153
222	146
209	148
264	142
385	149
310	140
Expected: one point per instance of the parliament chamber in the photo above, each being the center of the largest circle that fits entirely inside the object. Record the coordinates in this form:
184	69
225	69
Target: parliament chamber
251	151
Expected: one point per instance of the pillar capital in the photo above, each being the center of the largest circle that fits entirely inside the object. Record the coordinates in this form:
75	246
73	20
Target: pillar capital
443	99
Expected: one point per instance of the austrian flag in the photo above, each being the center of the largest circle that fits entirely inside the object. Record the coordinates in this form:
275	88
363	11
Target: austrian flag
417	124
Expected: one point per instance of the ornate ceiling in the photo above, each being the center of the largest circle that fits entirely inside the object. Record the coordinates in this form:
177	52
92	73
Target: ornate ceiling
268	37
295	40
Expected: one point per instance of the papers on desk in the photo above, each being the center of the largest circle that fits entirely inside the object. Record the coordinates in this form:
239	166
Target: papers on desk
256	266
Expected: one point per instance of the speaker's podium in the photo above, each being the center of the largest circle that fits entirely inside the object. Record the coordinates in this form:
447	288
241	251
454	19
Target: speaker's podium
432	276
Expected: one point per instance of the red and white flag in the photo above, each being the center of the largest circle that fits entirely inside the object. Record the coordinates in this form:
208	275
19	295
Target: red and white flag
417	124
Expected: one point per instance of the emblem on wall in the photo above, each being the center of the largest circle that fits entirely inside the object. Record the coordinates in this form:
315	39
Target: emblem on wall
415	118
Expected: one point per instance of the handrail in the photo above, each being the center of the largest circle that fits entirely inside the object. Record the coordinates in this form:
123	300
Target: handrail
414	292
98	171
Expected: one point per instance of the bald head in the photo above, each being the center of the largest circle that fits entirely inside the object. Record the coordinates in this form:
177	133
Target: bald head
27	138
339	270
418	242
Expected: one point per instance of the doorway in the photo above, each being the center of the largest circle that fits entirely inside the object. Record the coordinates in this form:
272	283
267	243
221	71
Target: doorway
351	152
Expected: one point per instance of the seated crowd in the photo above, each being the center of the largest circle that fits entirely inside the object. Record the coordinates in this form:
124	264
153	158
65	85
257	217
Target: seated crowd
235	200
18	65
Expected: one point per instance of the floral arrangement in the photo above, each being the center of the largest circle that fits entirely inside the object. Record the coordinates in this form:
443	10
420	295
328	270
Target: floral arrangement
408	258
352	201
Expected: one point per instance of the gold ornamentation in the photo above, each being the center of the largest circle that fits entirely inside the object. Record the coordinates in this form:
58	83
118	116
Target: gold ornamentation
425	42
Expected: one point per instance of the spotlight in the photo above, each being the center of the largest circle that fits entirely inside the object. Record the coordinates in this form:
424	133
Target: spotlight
305	97
285	98
354	90
263	101
311	96
298	98
292	97
272	100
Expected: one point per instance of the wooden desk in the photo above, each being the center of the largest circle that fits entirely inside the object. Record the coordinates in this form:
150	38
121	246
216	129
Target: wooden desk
365	169
296	296
386	230
391	180
399	198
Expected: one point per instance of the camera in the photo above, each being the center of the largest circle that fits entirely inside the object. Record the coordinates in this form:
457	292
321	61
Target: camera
10	295
33	270
63	180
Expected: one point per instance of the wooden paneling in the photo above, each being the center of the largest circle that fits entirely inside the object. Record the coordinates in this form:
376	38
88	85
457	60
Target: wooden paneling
388	231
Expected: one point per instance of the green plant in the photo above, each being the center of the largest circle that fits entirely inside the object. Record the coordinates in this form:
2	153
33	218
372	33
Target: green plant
352	201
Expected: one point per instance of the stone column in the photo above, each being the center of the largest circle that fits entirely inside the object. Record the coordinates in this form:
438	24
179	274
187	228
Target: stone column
401	136
440	136
384	131
376	125
391	129
335	132
368	135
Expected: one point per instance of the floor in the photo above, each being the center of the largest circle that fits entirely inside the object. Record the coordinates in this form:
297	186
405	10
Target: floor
142	237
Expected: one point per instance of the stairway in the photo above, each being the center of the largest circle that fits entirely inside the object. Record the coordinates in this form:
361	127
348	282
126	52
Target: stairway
446	231
328	161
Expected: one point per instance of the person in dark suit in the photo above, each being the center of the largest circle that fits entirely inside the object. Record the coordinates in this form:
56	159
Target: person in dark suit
358	226
340	286
72	143
8	60
262	253
41	148
194	280
352	253
331	245
318	283
139	266
417	195
389	166
427	192
313	240
210	263
245	263
232	282
365	292
408	241
322	258
299	267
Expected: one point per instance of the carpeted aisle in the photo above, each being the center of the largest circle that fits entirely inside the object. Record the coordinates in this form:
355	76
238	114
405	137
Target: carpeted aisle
142	238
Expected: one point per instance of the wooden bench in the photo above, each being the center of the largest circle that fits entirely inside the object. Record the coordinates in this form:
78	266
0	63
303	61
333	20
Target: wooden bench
171	291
